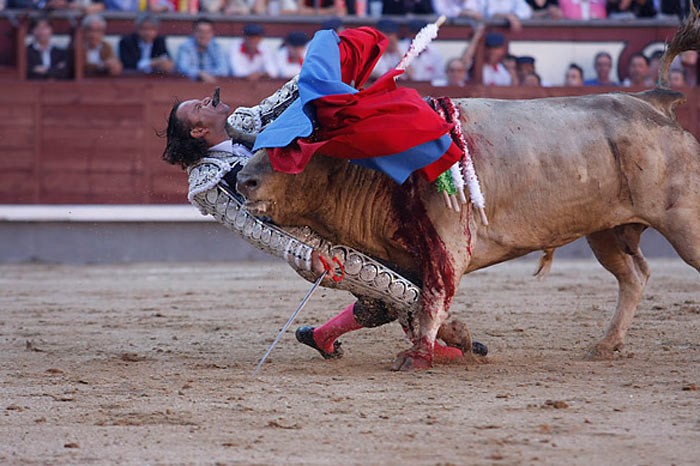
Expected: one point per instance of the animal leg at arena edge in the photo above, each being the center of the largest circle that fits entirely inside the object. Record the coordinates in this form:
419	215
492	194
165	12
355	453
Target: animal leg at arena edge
424	332
618	251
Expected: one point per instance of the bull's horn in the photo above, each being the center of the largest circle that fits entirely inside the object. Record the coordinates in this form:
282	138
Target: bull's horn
687	37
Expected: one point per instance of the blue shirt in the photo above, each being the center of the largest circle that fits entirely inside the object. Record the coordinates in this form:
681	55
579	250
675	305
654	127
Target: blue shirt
144	63
595	82
190	61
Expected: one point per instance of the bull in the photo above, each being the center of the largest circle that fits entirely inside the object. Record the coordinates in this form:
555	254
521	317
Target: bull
553	170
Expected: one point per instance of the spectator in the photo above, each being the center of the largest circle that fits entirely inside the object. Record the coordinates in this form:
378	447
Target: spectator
144	51
314	7
394	51
85	7
470	50
44	60
638	72
531	80
407	7
228	7
513	11
430	64
691	67
334	23
449	8
525	65
494	72
628	9
583	10
602	63
201	57
456	74
25	4
135	6
545	9
291	55
654	64
574	76
248	59
676	79
99	56
676	8
510	62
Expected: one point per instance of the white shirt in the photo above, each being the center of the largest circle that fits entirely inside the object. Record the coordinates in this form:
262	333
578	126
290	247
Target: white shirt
388	61
144	63
449	8
489	8
45	54
224	146
228	146
427	66
244	65
285	67
498	76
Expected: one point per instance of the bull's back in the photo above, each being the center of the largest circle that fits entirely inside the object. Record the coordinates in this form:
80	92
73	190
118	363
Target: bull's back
553	170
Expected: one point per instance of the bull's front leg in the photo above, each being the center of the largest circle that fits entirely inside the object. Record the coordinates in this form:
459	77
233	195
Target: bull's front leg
423	330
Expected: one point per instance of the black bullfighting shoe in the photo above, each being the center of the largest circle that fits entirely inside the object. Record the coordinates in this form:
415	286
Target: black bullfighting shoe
305	335
479	348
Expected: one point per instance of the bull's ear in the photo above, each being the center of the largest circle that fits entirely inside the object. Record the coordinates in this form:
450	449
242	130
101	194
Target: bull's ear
199	132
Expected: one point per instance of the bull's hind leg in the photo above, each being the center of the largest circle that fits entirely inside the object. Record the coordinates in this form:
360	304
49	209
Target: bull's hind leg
618	251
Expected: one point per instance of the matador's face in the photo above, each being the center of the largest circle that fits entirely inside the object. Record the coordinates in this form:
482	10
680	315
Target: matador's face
204	113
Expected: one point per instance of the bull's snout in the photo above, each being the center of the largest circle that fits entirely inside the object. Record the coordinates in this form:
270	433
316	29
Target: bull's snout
246	183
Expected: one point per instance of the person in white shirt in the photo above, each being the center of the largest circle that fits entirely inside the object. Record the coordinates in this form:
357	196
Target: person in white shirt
291	55
449	8
429	65
394	51
494	73
248	59
512	11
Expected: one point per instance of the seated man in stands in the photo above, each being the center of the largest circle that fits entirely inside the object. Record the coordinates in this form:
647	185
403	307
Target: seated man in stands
602	63
494	71
573	76
395	49
99	56
85	7
429	65
290	56
638	72
44	60
248	59
135	6
512	11
201	57
144	51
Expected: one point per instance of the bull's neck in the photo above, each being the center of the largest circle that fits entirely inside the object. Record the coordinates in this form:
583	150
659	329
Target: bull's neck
356	210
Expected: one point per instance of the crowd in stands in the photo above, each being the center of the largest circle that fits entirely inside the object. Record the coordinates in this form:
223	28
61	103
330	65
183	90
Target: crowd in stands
513	11
201	56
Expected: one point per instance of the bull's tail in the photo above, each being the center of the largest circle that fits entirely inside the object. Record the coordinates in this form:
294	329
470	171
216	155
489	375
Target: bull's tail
545	263
687	37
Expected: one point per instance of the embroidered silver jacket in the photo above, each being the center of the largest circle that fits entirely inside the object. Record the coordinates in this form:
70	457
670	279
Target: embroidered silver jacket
364	276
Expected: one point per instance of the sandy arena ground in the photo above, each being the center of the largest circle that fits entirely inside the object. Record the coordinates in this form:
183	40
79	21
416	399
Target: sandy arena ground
151	364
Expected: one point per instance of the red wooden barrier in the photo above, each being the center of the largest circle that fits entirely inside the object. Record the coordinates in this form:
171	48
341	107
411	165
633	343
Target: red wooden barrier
94	141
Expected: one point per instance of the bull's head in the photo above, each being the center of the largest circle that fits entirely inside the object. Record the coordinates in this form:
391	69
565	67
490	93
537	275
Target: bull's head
289	200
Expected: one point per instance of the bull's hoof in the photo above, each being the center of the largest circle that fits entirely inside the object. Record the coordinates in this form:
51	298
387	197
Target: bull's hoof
603	352
305	335
411	361
479	348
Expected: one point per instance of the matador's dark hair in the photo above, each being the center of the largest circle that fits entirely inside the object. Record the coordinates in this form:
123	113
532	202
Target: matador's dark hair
180	147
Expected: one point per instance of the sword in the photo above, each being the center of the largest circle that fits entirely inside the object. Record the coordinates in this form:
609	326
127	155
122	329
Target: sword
291	319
